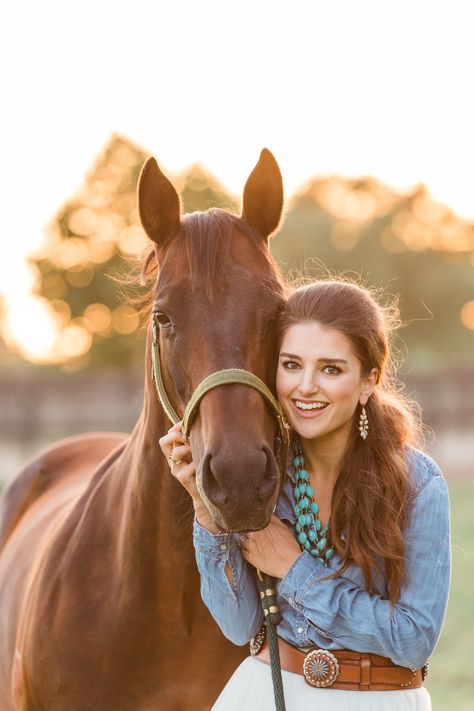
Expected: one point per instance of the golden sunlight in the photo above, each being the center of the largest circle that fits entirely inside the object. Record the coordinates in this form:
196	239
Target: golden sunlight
467	315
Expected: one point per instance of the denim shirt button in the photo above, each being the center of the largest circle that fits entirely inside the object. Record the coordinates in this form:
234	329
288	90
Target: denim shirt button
290	600
223	547
300	630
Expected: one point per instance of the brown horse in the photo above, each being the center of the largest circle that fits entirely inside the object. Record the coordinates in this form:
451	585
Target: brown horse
99	594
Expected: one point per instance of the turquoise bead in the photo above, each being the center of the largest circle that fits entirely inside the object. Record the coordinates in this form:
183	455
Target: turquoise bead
308	526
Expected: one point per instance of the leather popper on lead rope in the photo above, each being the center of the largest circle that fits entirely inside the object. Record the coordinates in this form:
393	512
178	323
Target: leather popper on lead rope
237	376
271	611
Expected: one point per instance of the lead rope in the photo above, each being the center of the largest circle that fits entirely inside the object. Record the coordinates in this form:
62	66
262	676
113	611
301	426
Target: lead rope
272	615
232	376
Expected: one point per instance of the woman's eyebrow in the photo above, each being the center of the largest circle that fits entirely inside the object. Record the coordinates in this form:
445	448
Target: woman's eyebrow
293	356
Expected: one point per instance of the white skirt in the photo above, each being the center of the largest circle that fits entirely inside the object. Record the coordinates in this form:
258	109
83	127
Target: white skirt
250	689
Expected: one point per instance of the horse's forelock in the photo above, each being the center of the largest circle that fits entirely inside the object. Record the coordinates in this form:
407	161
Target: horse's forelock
207	238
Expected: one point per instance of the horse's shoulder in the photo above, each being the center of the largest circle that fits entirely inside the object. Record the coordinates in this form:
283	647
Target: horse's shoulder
70	457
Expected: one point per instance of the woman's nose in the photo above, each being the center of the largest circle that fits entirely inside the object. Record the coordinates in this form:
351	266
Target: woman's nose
308	386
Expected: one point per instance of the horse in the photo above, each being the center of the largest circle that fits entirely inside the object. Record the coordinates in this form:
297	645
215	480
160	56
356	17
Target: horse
100	606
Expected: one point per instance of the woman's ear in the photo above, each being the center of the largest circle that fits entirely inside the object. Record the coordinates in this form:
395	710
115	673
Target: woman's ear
369	384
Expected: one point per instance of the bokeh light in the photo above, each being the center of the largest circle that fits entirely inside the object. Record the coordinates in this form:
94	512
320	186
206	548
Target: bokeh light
467	315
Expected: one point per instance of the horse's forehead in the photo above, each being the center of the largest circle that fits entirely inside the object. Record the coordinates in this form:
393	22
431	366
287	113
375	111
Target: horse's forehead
243	251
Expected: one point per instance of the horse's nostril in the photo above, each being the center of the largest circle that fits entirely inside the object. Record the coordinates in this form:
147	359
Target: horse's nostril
270	477
210	484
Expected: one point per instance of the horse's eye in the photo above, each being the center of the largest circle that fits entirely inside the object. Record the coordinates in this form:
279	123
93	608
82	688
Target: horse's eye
161	318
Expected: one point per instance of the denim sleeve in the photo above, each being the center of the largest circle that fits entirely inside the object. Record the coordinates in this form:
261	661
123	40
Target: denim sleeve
362	621
235	607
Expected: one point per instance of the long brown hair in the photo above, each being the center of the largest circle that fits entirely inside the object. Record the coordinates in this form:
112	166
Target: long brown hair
370	501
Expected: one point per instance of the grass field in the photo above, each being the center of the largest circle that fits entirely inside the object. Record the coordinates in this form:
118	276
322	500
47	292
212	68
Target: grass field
451	676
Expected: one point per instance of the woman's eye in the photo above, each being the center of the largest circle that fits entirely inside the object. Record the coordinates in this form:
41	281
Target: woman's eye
161	318
290	364
331	370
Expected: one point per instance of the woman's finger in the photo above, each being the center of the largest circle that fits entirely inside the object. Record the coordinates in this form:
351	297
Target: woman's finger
186	475
178	427
183	472
169	440
181	451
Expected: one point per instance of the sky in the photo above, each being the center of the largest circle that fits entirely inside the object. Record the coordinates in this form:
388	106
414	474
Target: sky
373	87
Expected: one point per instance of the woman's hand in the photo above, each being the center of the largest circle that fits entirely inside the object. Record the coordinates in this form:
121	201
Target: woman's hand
177	450
272	550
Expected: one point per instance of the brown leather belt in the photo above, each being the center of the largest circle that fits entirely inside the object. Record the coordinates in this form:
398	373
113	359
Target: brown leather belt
343	669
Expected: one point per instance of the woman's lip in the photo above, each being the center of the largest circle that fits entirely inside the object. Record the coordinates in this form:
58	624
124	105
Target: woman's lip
308	413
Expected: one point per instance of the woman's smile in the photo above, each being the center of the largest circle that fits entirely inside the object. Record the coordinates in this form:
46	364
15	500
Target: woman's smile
319	380
309	408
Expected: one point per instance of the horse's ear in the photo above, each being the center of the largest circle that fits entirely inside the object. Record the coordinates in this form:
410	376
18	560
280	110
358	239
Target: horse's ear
158	204
263	195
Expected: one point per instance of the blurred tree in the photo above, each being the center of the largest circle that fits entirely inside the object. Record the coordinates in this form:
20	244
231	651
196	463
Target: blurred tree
406	243
7	358
97	234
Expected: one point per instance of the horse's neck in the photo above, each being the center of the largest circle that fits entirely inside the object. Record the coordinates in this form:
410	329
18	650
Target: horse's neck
153	512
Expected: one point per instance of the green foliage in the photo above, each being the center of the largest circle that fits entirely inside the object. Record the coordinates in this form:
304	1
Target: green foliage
364	228
95	236
405	243
451	681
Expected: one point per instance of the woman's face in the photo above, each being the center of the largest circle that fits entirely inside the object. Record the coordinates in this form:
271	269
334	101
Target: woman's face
319	380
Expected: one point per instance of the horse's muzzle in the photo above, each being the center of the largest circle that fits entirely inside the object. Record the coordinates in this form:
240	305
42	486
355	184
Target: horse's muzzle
241	490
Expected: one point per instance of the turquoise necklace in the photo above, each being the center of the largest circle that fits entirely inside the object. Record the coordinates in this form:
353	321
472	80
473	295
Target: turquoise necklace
311	535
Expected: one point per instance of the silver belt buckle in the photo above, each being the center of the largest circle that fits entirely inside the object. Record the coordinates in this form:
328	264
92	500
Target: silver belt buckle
320	668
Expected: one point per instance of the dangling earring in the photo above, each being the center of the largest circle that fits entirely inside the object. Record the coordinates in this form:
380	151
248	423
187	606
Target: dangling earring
363	423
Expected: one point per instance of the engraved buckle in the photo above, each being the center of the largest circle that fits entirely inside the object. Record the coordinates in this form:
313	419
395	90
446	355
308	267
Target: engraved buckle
256	643
320	668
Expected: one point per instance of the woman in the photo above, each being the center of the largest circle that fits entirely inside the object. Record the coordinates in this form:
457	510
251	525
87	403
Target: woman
359	542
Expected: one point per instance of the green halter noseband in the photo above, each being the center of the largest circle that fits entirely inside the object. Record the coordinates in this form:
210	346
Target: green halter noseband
230	376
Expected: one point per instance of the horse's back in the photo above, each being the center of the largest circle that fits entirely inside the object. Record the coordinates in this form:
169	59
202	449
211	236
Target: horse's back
71	458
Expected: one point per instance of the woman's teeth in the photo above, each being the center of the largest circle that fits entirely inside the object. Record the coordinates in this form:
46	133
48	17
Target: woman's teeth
310	405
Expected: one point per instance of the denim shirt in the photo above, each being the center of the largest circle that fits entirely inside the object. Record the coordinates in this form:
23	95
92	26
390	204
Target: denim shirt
340	613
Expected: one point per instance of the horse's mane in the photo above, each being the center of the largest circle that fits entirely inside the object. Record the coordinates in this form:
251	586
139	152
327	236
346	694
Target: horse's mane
206	237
